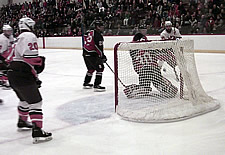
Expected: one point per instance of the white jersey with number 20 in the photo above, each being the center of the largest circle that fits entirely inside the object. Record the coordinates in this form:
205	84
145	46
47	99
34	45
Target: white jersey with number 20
26	46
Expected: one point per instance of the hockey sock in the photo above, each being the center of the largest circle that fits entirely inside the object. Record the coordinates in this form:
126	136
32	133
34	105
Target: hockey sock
23	113
98	78
36	114
23	110
88	77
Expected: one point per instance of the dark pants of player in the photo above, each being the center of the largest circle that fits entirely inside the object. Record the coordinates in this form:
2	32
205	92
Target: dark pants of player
93	64
24	84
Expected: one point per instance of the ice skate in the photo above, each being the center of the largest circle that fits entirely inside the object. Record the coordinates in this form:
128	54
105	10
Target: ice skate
87	86
24	125
1	101
98	88
40	135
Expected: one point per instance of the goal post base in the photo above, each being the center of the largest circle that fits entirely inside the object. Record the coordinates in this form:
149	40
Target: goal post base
165	114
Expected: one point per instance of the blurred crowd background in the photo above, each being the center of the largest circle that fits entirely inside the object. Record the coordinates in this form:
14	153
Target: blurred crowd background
121	17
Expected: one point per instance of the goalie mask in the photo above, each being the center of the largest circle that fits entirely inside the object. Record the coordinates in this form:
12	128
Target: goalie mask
168	26
7	30
26	24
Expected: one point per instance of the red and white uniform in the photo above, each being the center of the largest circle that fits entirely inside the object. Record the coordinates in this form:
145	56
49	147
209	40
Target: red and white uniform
5	45
148	58
175	33
26	50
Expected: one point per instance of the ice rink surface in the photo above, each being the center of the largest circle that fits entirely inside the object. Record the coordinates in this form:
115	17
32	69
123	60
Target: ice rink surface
83	122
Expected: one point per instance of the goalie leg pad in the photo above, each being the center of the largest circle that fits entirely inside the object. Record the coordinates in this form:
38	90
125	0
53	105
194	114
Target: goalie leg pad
136	90
170	90
128	91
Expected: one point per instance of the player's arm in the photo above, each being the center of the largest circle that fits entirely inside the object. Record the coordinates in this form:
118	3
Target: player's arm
98	39
177	34
162	36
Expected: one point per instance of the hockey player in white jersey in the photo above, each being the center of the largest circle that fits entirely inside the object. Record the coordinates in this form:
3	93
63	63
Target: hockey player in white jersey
6	40
23	78
170	33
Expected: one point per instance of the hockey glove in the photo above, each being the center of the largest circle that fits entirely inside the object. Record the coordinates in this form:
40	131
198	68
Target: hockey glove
38	82
40	68
104	59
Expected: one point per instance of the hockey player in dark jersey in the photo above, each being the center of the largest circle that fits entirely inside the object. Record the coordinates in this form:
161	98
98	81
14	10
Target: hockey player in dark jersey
145	63
94	56
23	78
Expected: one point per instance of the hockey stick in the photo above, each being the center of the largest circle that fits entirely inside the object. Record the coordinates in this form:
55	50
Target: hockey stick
114	74
177	78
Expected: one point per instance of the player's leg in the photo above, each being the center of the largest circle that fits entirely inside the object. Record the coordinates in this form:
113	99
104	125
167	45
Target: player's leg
23	107
3	76
87	80
23	111
163	85
169	88
98	77
88	76
27	91
33	97
131	90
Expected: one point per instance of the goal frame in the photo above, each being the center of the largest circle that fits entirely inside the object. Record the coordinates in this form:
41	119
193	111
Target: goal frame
213	105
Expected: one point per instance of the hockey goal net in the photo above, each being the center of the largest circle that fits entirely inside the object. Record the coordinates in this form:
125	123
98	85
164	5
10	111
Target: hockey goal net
158	81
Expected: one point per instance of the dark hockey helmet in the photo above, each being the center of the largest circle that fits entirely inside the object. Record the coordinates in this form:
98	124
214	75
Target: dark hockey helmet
99	23
139	37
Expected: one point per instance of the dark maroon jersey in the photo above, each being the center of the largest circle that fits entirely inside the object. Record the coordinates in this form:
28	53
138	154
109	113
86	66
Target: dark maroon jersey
93	44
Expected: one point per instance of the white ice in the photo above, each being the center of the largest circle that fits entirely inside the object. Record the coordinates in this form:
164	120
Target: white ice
83	122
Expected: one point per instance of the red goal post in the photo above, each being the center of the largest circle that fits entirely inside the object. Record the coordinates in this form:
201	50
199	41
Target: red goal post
147	92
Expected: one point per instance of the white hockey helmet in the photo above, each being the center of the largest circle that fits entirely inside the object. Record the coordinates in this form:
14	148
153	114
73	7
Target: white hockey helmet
7	30
168	23
26	23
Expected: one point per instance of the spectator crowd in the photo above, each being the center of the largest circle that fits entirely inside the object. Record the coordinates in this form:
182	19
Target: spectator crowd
121	17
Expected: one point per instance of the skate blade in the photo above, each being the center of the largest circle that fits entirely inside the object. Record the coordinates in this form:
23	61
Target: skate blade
99	90
23	129
87	87
6	88
38	140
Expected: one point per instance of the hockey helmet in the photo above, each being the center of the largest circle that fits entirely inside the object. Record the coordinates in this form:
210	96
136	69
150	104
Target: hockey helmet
139	37
99	23
7	30
168	23
26	23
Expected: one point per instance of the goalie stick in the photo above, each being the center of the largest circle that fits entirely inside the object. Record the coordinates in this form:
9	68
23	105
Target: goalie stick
114	74
177	78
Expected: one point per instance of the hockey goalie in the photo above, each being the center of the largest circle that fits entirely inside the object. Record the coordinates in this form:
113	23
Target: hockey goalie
145	64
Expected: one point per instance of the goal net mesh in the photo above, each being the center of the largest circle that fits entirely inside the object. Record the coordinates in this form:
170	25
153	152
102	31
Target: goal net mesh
158	82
